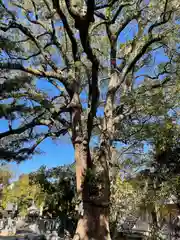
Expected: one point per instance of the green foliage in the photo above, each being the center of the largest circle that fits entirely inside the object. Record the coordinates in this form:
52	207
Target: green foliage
8	46
58	186
5	175
22	193
50	48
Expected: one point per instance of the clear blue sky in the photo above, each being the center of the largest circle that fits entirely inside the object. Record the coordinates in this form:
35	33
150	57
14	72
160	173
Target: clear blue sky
54	154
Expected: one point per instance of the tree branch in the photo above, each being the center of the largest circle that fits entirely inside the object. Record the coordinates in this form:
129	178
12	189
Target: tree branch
24	153
138	55
68	29
126	22
45	136
163	19
29	34
106	5
9	12
165	71
40	73
119	11
20	130
6	110
161	83
26	58
82	24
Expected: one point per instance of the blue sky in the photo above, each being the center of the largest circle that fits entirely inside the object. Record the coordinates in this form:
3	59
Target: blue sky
53	155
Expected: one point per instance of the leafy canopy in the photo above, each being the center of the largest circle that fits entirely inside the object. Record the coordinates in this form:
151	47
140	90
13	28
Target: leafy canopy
98	57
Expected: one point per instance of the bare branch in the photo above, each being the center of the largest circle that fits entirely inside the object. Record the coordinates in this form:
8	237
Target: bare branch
106	5
10	155
35	10
68	29
26	58
101	15
20	130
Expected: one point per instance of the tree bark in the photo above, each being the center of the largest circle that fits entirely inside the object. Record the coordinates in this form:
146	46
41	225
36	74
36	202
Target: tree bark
81	164
94	219
94	224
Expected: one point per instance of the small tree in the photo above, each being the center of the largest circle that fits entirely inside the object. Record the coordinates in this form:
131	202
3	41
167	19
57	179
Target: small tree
76	47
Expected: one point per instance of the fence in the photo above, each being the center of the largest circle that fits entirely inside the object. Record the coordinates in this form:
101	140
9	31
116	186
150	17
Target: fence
52	228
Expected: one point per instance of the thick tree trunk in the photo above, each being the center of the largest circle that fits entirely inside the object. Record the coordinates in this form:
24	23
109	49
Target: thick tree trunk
94	224
94	219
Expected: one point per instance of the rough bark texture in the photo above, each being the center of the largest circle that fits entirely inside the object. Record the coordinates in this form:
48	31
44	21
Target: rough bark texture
94	196
94	224
81	164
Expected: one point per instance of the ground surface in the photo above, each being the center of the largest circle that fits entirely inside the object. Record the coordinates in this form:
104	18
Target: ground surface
21	234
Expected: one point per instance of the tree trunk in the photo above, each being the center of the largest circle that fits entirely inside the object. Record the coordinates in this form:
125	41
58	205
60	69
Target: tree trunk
94	219
94	224
155	225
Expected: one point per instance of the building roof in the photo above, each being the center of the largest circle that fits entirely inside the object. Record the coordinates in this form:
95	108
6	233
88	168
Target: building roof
10	207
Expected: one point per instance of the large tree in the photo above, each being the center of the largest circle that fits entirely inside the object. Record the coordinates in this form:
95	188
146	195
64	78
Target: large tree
99	58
